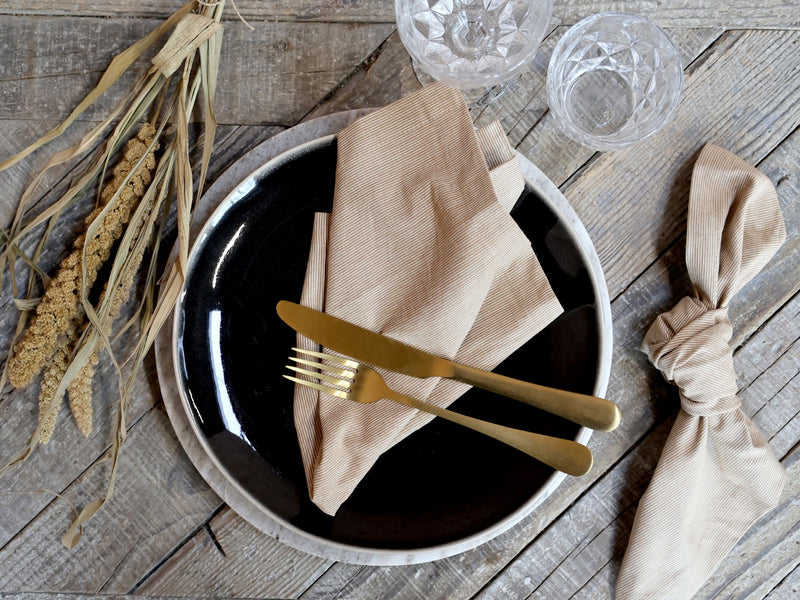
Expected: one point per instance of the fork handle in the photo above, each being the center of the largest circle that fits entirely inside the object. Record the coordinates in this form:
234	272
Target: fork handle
593	412
565	455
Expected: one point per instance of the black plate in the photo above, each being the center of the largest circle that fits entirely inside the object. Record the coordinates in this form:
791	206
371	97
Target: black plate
443	483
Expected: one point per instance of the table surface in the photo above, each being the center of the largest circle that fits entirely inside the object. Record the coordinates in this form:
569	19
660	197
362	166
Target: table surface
165	532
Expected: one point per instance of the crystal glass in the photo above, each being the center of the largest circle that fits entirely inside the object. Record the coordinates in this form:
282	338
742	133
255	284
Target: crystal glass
472	44
613	80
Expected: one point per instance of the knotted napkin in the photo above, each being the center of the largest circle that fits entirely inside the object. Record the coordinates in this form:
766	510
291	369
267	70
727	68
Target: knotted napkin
717	475
419	246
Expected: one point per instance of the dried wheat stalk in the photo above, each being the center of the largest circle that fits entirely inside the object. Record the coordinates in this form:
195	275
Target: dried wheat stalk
68	331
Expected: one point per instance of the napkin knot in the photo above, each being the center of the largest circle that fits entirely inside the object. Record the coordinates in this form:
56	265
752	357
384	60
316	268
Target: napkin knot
689	345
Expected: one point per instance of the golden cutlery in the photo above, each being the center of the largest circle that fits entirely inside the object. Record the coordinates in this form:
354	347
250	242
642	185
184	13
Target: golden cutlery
350	380
381	351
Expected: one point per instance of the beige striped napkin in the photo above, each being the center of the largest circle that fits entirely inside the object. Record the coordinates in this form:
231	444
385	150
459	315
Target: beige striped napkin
717	475
419	246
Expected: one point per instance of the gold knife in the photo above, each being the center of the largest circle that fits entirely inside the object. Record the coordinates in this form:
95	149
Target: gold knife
380	351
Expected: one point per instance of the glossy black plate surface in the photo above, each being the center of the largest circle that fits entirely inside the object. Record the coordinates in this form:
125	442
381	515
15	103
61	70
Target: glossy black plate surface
441	484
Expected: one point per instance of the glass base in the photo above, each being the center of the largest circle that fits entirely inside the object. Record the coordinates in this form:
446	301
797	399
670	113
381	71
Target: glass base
475	97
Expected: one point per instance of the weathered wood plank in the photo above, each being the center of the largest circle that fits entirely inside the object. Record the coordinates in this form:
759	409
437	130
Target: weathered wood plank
366	11
47	468
645	401
745	97
523	110
59	54
57	596
788	588
598	532
275	74
14	135
385	77
764	364
675	13
231	564
159	499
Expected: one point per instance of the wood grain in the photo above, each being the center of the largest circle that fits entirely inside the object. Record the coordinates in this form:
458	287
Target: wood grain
633	201
222	558
636	388
589	543
273	75
312	58
675	13
159	499
21	499
586	536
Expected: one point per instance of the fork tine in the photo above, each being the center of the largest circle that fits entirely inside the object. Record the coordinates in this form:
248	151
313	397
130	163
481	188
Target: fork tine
316	386
346	362
345	383
324	367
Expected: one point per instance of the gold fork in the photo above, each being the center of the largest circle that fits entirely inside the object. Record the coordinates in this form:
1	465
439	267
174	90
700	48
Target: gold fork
351	380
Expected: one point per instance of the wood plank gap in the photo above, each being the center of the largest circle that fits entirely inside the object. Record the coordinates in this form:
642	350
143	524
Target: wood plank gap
763	324
325	572
779	390
556	520
364	66
616	557
229	18
776	148
534	126
214	540
786	578
796	447
693	65
88	468
569	557
728	37
200	527
53	76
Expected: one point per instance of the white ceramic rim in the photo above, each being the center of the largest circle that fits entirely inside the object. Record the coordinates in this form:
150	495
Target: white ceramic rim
279	148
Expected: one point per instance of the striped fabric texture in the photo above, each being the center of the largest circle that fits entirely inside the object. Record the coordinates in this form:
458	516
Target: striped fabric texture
419	246
717	475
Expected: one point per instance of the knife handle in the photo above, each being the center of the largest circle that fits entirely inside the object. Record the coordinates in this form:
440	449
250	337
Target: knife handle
593	412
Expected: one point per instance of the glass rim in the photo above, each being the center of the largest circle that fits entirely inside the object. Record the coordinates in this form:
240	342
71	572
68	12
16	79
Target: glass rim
475	80
611	141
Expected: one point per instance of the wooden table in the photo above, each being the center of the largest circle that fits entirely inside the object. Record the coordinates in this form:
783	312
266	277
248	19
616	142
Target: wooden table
166	533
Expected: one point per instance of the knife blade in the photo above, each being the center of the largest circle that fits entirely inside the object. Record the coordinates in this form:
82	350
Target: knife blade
380	351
